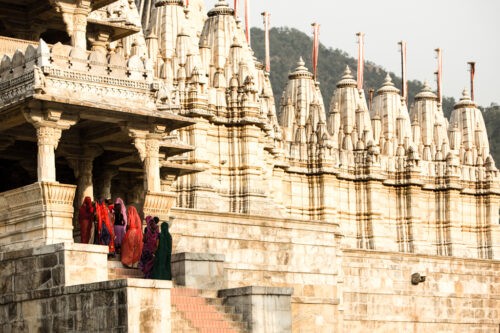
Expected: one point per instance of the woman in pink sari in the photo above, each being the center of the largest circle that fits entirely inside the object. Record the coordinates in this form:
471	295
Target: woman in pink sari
132	242
120	222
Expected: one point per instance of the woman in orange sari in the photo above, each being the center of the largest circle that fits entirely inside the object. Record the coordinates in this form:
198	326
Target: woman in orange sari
132	242
106	233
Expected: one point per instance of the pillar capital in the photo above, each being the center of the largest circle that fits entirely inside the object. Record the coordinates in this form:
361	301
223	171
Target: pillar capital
49	124
47	135
147	141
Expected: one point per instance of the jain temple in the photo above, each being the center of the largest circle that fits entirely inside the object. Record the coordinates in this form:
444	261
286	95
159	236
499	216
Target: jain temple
309	213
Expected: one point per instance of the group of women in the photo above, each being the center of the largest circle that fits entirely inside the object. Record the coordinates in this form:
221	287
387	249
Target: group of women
120	228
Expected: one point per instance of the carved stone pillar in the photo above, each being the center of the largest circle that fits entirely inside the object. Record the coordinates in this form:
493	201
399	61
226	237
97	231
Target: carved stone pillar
148	146
152	165
104	182
82	166
48	139
74	15
49	124
99	39
79	37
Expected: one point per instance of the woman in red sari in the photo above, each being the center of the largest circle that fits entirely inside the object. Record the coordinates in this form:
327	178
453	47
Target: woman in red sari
132	242
105	229
86	218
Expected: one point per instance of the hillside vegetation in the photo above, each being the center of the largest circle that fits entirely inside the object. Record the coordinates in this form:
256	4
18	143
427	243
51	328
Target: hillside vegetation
289	44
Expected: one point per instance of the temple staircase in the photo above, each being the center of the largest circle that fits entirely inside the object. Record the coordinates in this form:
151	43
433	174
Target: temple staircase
193	310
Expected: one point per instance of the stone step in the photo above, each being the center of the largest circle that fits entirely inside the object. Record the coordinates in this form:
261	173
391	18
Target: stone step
205	314
179	324
123	273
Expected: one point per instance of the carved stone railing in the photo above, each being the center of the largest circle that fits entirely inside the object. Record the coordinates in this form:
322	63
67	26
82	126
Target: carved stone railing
159	204
58	71
35	215
9	46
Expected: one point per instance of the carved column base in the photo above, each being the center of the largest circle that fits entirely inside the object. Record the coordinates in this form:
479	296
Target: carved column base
36	215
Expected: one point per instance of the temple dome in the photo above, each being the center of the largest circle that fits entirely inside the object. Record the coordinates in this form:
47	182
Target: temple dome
426	92
347	79
388	86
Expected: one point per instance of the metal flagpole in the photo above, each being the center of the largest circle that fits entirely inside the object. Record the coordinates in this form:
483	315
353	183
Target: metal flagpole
315	49
361	59
472	65
404	83
439	75
267	22
247	21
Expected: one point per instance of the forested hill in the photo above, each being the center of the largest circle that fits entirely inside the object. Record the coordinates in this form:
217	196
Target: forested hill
289	44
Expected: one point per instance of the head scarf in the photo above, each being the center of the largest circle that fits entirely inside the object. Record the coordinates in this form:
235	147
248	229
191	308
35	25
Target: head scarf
151	235
87	209
133	218
162	269
123	209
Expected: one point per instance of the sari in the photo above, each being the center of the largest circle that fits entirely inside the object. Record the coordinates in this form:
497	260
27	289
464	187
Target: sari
120	221
162	269
105	232
86	219
132	242
150	245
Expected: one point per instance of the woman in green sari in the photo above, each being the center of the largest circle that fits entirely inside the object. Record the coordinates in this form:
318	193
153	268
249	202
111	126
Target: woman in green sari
162	269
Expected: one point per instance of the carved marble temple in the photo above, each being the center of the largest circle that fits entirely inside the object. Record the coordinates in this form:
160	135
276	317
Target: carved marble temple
300	215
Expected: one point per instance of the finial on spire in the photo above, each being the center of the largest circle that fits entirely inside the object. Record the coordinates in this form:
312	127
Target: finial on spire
301	62
388	80
347	71
361	59
465	94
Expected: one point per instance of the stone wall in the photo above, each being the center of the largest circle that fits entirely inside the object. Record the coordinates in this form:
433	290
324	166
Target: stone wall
458	295
384	214
53	266
265	309
271	252
63	287
113	306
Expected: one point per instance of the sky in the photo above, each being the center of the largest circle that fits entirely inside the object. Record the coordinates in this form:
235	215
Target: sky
464	30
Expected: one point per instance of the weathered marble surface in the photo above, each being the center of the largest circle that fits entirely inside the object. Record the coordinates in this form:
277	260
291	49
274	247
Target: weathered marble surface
265	309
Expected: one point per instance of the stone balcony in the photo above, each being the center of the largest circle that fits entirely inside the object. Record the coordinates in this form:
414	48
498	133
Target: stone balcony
36	215
85	80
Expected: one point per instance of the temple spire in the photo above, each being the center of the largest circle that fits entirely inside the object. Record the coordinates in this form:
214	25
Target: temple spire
267	22
404	83
472	70
439	75
361	58
315	51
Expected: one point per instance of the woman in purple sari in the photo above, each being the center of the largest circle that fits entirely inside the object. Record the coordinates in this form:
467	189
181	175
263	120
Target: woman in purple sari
120	217
150	245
